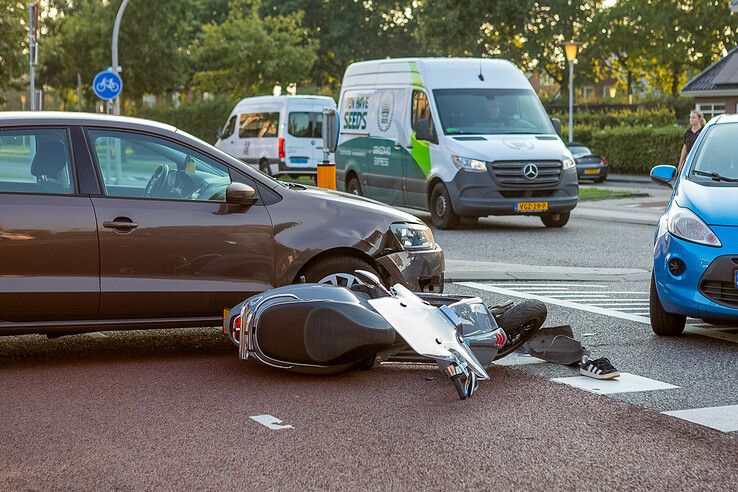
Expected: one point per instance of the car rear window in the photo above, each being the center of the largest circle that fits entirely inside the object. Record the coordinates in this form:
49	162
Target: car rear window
304	124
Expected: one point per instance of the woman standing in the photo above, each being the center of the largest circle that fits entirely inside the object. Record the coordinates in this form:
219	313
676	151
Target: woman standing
697	123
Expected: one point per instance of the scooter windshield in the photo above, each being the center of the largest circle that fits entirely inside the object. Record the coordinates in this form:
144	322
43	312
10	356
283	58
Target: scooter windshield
428	330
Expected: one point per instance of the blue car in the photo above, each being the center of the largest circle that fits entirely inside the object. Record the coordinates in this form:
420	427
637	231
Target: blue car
695	260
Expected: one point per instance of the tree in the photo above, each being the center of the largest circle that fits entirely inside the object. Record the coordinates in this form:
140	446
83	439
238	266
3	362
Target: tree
13	40
248	53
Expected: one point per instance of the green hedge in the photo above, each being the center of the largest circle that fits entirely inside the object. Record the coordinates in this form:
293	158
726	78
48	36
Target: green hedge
636	150
200	118
642	117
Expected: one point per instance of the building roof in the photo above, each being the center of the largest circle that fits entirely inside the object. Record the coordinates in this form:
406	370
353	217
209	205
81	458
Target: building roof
720	78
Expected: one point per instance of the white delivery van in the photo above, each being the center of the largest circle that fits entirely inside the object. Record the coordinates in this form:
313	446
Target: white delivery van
277	134
460	137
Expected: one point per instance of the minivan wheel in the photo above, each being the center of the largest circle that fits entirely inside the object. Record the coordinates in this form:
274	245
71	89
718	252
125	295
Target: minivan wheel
264	167
663	323
354	186
556	220
337	270
442	213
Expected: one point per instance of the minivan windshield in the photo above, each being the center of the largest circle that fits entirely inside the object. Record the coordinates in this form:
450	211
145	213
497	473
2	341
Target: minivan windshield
717	157
491	112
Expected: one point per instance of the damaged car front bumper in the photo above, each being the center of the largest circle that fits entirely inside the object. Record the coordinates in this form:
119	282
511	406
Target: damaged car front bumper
420	270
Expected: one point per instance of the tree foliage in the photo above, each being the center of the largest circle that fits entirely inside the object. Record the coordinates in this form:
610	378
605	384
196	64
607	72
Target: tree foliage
13	39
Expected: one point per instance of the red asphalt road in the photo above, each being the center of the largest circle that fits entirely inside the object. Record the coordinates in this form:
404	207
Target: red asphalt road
170	411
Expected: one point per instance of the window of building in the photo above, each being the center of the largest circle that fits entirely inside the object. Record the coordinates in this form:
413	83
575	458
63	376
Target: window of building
710	110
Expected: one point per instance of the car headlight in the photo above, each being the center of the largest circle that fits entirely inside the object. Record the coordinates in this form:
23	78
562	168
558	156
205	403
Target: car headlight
413	236
468	164
568	164
684	224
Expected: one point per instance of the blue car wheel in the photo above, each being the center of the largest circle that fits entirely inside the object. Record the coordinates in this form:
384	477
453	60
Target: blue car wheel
664	323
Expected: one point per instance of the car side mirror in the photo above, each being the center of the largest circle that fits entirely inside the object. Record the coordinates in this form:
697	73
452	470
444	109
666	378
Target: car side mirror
330	130
219	133
557	125
664	175
240	194
423	130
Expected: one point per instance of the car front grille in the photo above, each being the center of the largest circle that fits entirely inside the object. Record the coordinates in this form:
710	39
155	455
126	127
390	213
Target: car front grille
720	292
511	173
718	281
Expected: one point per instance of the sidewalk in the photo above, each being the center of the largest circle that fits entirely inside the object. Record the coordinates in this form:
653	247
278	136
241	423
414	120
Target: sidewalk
642	210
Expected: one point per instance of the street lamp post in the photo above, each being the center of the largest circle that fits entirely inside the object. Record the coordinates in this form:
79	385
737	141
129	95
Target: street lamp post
116	29
570	49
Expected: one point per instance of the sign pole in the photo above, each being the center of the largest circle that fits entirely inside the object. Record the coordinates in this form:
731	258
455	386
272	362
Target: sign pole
115	66
32	52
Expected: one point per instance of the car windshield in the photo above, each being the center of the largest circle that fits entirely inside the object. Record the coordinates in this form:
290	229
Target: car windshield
579	151
491	112
717	157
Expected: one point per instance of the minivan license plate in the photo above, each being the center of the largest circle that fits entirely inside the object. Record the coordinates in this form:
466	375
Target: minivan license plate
531	206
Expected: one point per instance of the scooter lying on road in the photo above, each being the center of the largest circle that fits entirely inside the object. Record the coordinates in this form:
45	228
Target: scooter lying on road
325	329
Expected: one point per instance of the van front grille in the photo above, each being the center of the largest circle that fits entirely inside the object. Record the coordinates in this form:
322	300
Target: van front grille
512	173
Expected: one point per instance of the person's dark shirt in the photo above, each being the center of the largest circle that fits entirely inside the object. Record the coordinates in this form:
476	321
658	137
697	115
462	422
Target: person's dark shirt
690	137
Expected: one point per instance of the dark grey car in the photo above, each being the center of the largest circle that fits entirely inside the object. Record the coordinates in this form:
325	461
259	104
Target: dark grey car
119	223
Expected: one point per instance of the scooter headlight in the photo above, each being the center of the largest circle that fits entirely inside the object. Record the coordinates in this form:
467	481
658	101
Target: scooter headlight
413	236
469	164
685	224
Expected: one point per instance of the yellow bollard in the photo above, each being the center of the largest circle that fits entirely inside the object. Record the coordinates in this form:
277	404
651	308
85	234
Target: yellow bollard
326	176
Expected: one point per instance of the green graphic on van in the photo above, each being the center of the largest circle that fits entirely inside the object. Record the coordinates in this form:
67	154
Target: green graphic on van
370	155
384	114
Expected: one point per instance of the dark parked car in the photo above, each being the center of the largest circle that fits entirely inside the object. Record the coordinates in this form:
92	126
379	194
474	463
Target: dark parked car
119	223
589	166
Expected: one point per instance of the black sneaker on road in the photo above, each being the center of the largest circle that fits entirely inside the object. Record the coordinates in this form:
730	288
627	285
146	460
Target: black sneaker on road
598	368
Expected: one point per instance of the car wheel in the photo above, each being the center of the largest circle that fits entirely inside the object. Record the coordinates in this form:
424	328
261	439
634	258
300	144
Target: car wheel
442	213
264	167
354	186
663	323
556	220
337	270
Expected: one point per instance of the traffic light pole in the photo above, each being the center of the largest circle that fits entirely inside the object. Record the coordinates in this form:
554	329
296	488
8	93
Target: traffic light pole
32	53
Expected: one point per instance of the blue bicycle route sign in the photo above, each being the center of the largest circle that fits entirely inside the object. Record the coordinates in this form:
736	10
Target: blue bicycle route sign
107	85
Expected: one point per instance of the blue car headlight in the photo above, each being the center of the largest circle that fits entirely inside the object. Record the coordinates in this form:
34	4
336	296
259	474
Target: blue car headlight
413	236
685	224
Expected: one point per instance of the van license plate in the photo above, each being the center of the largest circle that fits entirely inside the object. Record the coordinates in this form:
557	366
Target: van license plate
531	206
591	171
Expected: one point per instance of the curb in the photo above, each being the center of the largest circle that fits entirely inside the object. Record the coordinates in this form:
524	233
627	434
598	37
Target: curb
629	178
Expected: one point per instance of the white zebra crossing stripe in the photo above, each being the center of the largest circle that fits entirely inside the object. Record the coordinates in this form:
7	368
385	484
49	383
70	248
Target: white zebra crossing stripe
724	419
626	383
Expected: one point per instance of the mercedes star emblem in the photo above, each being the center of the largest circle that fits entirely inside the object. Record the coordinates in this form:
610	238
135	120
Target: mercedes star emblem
530	171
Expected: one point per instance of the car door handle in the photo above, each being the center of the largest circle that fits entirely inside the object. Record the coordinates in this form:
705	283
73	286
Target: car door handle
120	224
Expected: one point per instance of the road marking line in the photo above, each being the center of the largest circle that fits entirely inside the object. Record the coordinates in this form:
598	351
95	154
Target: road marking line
270	422
623	302
518	359
714	333
724	419
639	309
97	334
556	286
708	332
581	297
558	302
626	383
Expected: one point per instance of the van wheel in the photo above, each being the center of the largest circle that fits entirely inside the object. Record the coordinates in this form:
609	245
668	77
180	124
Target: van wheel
337	270
556	220
354	186
663	323
264	167
442	213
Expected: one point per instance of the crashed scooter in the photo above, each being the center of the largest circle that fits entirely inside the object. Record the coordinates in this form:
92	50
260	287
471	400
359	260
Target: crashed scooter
325	329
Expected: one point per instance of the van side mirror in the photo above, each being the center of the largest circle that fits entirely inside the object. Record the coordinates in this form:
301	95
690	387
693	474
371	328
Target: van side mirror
240	194
423	130
664	175
330	130
557	125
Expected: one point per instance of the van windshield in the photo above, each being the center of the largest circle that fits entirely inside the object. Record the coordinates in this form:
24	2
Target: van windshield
491	112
